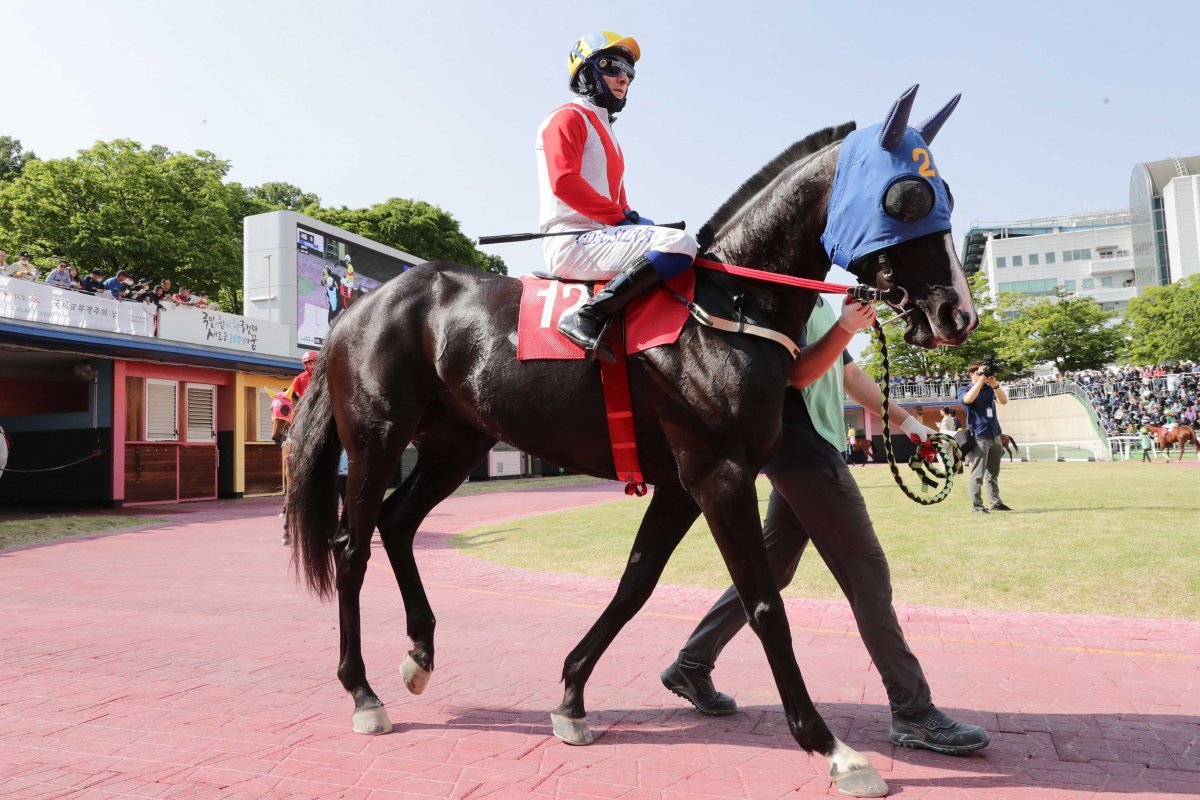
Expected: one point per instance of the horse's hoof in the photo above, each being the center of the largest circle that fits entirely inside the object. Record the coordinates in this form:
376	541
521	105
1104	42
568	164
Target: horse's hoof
571	730
416	677
859	782
372	721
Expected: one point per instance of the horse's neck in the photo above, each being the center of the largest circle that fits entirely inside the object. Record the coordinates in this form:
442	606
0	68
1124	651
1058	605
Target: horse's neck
780	231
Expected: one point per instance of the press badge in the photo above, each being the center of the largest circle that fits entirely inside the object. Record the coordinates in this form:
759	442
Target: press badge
989	413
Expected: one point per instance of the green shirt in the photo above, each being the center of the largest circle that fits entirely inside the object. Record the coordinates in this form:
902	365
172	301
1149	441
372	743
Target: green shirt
824	395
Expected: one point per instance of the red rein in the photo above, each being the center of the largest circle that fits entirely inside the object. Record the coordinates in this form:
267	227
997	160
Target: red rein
758	274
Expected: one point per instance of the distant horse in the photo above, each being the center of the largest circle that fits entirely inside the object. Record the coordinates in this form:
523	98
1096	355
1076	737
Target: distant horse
1010	446
1180	435
3	452
864	446
430	357
281	422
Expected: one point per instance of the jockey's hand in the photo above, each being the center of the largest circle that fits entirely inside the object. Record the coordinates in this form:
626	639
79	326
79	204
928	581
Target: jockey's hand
915	430
856	316
634	218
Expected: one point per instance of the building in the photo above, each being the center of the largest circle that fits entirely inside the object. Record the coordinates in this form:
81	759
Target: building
1084	254
1157	239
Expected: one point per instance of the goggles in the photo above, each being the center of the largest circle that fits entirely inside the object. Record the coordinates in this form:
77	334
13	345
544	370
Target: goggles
612	66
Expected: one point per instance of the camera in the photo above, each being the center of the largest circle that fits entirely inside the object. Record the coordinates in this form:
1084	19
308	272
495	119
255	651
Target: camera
988	367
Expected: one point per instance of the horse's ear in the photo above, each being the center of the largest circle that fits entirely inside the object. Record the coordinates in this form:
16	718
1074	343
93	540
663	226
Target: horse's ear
930	127
897	120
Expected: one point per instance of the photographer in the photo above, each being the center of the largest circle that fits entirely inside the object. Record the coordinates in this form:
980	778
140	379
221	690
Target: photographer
979	401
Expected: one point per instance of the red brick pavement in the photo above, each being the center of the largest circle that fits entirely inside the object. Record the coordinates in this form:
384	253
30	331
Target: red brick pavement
184	662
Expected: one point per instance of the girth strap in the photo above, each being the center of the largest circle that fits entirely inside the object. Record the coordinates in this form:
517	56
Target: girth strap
722	324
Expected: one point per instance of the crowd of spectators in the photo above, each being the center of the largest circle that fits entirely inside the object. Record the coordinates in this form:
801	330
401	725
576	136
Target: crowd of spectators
121	286
1126	398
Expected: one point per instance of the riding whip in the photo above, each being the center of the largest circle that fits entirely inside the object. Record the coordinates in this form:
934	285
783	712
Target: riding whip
505	238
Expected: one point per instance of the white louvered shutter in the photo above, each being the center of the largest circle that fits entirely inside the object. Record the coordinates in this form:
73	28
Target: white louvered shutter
161	410
265	423
201	413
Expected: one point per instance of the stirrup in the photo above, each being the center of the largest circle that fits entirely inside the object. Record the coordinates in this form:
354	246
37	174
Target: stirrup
595	351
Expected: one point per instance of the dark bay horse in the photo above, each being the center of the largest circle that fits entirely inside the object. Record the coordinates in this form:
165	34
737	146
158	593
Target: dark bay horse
430	358
1180	435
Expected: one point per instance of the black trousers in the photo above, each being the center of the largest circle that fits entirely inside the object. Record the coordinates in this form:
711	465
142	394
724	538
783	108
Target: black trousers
824	504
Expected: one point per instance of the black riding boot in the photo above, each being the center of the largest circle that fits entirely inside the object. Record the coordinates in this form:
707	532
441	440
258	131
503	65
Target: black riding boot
586	325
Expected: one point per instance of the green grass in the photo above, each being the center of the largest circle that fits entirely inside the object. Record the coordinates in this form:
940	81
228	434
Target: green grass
27	530
1098	538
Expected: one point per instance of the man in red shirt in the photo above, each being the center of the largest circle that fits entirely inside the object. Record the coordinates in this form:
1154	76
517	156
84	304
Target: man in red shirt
300	382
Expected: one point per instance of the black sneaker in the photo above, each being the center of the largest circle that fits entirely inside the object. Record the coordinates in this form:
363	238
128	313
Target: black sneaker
1000	507
936	731
693	682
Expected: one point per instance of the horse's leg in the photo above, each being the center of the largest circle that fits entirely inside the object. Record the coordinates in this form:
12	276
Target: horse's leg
446	455
730	504
672	511
374	453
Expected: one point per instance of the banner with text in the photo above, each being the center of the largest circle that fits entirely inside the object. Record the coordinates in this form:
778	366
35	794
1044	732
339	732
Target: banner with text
36	302
218	329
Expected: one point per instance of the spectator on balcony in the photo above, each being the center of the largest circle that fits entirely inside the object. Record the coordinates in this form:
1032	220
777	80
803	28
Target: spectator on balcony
4	265
24	268
183	297
59	276
93	284
202	300
165	283
76	282
119	284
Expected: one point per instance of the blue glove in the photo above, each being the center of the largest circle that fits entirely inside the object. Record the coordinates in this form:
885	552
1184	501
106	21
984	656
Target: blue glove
634	218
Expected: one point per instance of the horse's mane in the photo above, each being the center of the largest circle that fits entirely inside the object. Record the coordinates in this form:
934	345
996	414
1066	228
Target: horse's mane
809	145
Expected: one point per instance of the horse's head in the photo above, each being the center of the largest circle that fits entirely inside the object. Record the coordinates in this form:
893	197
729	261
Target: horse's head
888	223
281	416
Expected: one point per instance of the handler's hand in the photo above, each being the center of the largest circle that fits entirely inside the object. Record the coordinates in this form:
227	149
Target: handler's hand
856	316
915	430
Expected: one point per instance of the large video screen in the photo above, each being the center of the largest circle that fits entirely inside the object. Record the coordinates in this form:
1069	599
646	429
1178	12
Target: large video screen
330	276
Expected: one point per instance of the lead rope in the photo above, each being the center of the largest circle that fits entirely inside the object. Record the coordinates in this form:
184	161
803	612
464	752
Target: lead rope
942	457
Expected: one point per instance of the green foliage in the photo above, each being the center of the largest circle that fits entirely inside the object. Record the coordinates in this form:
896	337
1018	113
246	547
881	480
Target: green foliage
414	226
280	195
13	158
161	214
119	205
1164	323
1071	332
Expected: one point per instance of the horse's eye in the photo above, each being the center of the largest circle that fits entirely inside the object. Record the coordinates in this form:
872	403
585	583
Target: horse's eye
908	199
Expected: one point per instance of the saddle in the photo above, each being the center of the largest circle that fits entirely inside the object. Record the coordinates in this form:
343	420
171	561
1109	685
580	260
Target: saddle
653	320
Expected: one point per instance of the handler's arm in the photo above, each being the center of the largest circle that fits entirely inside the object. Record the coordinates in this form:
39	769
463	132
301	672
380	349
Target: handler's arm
863	390
816	359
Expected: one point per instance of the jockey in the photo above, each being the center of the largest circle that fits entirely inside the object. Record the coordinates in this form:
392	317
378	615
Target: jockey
300	382
581	186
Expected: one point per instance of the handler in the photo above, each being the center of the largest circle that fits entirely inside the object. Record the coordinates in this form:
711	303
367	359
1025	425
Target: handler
581	186
814	497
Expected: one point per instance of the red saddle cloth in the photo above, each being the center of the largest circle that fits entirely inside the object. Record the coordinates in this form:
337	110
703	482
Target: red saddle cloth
650	321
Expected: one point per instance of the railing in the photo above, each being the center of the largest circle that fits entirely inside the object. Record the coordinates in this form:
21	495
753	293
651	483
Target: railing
1091	450
1028	391
929	390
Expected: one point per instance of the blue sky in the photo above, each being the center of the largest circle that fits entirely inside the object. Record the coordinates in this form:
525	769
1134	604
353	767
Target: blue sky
360	101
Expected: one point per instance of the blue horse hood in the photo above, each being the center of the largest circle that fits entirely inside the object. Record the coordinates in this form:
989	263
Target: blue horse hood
857	224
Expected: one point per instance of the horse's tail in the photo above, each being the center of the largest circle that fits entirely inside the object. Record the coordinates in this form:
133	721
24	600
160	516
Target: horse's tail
312	498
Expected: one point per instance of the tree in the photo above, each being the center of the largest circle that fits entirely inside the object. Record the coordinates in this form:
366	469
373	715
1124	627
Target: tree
281	195
1070	332
118	205
1164	323
415	227
12	158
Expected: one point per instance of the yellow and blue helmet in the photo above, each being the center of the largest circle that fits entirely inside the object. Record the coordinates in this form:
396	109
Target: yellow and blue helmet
597	54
